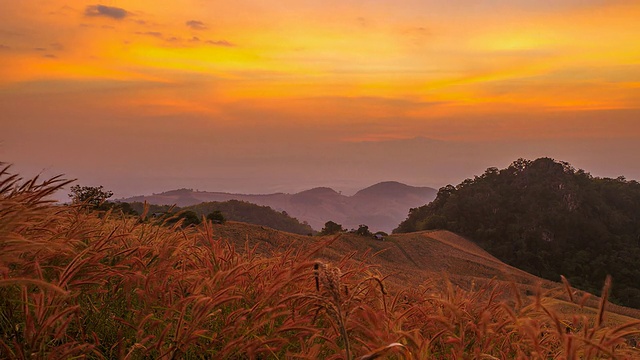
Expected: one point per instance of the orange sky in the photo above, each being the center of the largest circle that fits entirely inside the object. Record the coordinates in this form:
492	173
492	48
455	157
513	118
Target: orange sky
223	90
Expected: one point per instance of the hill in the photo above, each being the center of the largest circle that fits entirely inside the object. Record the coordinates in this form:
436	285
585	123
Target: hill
79	282
235	210
412	259
381	206
254	214
549	219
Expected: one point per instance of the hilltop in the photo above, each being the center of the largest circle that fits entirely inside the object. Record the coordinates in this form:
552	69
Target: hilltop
381	206
549	219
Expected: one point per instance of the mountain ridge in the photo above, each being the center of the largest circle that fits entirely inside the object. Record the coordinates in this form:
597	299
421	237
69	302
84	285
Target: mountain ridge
381	206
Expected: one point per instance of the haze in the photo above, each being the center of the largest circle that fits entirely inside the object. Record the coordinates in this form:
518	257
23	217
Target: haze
257	97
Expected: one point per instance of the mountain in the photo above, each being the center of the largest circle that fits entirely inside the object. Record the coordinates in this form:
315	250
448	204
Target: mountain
381	206
549	219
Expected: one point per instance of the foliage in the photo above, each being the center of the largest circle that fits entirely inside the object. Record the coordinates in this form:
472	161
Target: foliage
331	228
184	218
75	285
97	198
548	219
363	230
152	209
124	207
216	217
89	195
235	210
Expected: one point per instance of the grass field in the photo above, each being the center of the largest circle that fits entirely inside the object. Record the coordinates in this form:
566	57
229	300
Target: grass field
76	283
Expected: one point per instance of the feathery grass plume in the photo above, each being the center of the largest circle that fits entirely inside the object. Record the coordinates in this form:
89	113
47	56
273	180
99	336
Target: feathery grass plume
387	349
567	287
328	278
604	296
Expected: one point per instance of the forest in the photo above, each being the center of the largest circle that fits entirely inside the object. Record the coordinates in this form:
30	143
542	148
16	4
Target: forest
549	219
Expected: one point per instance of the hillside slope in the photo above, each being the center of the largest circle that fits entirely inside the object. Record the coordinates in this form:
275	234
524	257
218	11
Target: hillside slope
382	206
548	219
408	258
411	259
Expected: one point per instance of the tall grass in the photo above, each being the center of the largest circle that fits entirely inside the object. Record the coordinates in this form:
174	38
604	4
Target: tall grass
74	284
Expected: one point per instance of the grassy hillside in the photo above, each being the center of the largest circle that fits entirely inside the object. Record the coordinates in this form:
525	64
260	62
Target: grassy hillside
76	283
549	219
415	258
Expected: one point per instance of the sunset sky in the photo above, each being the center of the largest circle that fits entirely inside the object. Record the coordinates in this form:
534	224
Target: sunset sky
264	96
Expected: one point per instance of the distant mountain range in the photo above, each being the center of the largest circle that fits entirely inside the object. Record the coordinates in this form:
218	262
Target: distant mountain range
381	206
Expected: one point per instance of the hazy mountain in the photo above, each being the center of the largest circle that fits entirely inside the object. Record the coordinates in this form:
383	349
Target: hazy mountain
381	206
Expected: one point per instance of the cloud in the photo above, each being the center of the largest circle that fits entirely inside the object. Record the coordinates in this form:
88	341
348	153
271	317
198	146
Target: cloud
363	22
196	25
106	11
188	42
220	43
4	47
57	46
150	33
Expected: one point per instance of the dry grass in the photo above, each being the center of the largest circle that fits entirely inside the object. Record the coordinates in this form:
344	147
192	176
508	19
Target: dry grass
75	284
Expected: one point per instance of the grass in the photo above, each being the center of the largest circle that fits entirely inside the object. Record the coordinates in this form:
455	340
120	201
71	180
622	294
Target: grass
75	283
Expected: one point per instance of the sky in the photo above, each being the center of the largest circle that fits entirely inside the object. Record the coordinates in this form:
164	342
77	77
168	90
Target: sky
265	96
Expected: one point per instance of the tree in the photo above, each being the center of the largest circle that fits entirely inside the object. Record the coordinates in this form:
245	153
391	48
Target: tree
90	195
216	217
125	207
331	228
188	218
363	230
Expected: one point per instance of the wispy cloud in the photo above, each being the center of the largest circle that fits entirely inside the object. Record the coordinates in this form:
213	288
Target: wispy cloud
57	46
156	34
106	11
196	25
220	43
177	41
4	47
